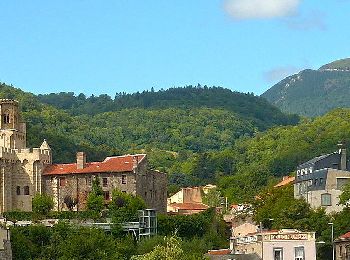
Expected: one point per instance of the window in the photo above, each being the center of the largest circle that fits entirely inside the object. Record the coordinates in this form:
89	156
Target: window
278	254
341	182
62	181
310	183
106	195
299	253
88	181
326	199
123	179
104	182
321	181
316	182
6	118
18	190
26	190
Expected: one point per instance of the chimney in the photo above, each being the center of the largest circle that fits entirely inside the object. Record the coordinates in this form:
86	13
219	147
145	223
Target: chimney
135	161
342	152
81	160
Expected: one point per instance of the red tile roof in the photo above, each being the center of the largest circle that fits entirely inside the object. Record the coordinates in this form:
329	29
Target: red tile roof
110	164
189	206
345	236
286	180
219	252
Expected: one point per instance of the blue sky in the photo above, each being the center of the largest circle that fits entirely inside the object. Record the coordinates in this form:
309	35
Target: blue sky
112	46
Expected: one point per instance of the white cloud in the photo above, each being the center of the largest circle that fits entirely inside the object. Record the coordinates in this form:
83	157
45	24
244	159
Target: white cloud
260	9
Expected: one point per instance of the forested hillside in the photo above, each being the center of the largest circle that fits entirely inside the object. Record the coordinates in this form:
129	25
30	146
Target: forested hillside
181	124
313	92
247	106
278	151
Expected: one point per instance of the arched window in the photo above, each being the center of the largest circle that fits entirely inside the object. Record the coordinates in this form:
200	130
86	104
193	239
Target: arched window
6	117
18	190
26	190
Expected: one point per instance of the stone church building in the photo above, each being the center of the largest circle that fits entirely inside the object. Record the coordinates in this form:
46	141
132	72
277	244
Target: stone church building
25	172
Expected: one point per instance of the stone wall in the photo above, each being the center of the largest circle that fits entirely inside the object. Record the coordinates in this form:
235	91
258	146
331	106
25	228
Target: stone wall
150	185
78	186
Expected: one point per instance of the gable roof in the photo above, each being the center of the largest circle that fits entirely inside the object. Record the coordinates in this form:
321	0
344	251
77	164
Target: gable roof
110	164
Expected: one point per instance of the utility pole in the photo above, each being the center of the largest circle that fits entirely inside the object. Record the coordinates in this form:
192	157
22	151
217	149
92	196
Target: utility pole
332	227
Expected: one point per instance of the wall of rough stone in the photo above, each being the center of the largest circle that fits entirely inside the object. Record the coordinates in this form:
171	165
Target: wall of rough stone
152	187
78	186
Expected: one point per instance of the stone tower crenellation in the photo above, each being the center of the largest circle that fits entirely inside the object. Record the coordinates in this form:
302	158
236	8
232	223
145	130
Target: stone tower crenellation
20	167
12	129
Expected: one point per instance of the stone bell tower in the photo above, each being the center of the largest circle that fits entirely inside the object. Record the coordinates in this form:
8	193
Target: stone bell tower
12	129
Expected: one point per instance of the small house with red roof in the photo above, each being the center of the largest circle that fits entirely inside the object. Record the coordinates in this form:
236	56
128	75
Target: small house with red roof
127	173
342	247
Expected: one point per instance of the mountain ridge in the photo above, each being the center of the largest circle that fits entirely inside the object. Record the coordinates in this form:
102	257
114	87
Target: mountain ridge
313	93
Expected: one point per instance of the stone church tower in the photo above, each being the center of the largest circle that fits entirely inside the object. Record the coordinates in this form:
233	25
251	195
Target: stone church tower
20	167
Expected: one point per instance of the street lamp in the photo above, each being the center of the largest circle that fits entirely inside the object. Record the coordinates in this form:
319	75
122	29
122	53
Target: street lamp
332	226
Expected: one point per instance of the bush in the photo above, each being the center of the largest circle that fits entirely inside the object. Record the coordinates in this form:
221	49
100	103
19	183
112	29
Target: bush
42	204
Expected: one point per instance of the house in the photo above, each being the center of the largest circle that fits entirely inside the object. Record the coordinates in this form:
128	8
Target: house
286	244
187	195
25	172
186	208
320	180
188	200
342	247
219	254
127	173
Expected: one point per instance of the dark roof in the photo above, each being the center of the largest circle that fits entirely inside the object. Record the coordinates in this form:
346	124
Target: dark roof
316	159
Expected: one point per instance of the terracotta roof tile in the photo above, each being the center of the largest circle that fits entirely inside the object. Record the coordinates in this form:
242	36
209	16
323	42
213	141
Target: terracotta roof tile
189	206
345	236
110	164
219	252
285	181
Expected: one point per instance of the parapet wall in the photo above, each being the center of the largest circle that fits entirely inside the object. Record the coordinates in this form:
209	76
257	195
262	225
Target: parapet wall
7	153
26	153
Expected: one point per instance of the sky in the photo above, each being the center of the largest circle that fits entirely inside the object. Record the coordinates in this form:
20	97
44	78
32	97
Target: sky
104	47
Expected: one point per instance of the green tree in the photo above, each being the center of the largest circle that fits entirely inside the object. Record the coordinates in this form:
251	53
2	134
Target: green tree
213	198
170	251
95	199
124	206
42	204
344	198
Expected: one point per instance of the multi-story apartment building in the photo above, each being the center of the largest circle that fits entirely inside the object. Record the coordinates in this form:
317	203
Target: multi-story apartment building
320	180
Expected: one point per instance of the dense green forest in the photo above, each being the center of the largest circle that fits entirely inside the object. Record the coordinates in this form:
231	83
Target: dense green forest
246	106
182	130
313	92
